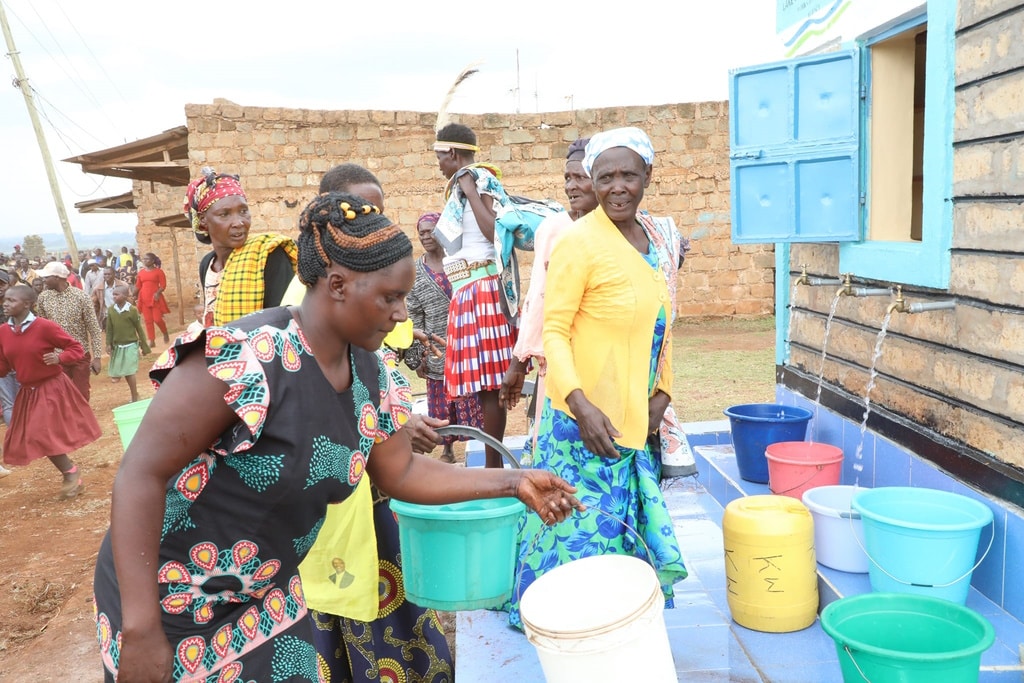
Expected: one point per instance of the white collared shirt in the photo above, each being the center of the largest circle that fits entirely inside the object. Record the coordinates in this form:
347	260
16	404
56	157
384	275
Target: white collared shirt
24	323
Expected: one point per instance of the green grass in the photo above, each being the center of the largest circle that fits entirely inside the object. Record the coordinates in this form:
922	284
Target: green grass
715	364
721	363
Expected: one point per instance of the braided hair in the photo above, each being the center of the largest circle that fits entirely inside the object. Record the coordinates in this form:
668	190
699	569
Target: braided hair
341	228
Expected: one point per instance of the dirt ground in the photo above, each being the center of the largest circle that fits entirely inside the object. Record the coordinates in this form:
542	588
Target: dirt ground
48	547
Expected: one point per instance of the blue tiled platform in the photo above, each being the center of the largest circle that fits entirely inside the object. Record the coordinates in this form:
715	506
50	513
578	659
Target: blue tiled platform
716	467
703	645
707	645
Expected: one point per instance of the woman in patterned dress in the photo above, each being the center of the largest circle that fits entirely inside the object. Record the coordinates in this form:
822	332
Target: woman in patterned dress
226	484
607	341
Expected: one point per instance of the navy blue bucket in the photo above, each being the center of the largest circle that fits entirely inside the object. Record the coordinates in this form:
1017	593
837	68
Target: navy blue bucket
755	426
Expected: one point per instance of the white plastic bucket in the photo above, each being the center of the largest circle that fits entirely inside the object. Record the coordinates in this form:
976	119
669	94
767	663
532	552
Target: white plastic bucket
838	531
599	619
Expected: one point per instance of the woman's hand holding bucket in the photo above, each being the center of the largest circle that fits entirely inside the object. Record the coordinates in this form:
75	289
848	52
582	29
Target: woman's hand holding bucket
547	495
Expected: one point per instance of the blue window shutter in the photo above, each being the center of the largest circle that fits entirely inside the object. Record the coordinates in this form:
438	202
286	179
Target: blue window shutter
794	136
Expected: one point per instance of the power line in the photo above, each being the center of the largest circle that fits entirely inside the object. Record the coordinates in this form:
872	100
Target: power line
64	54
37	126
67	141
48	53
77	79
51	105
92	54
97	185
53	126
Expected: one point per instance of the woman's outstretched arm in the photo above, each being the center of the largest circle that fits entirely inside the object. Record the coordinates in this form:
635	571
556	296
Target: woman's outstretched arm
420	479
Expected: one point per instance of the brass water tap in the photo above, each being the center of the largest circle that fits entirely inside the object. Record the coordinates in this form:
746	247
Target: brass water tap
802	279
847	287
899	304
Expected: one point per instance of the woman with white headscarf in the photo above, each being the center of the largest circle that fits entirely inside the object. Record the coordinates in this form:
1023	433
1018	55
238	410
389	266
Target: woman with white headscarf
607	339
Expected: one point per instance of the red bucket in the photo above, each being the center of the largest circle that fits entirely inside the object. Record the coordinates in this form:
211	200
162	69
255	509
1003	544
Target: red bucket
795	466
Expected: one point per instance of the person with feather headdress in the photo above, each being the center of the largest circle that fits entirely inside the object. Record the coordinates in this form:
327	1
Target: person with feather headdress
480	335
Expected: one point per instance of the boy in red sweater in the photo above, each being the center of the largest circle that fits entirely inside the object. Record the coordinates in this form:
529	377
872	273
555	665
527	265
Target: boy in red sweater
50	417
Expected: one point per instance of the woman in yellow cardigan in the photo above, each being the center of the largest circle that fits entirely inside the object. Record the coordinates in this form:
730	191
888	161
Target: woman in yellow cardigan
607	339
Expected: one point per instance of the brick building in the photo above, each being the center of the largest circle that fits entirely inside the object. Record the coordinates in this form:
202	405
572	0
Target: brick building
933	136
281	154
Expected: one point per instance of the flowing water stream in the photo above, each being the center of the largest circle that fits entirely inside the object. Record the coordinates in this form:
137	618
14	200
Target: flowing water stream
824	354
858	463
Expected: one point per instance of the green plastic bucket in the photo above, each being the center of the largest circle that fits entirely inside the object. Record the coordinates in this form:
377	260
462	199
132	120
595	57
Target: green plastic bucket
459	556
906	638
127	419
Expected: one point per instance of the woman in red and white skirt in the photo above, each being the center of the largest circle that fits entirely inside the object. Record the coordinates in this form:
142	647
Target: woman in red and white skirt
480	337
50	416
428	304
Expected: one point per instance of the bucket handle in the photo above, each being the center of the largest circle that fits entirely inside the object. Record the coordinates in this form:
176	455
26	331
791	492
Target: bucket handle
855	664
480	435
817	470
991	539
544	528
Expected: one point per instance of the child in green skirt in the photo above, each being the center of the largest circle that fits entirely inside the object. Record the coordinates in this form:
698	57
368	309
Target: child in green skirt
124	339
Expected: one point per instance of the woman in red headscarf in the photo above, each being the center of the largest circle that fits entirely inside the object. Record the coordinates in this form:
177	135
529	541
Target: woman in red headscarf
242	274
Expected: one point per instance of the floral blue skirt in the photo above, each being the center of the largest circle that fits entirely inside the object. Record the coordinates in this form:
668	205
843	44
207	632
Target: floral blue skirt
627	489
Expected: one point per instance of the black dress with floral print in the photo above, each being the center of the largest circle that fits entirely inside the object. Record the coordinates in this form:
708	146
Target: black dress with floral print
242	515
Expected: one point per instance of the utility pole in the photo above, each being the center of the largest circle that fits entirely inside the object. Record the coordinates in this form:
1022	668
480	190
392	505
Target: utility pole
51	174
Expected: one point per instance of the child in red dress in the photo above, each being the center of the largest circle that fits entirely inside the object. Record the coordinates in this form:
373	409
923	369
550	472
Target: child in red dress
50	417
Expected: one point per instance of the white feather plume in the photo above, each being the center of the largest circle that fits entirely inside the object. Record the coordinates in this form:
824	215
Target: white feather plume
443	118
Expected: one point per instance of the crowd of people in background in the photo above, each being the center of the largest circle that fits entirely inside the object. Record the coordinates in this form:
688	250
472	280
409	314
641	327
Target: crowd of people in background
91	264
71	304
290	375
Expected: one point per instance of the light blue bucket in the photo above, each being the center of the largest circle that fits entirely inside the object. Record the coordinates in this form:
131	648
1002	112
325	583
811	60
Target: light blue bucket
921	541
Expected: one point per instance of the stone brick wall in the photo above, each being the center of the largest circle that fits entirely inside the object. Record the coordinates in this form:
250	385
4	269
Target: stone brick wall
988	170
282	153
958	374
153	201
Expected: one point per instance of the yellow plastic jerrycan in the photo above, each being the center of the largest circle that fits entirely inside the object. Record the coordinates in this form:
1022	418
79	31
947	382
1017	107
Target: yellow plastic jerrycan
770	571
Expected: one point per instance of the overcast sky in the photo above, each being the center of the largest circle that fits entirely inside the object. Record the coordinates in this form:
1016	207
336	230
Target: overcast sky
112	71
